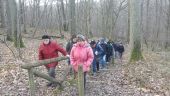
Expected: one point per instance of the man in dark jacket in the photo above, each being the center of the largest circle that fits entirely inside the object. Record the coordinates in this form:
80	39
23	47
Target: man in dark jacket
109	52
120	50
70	45
47	50
102	61
97	51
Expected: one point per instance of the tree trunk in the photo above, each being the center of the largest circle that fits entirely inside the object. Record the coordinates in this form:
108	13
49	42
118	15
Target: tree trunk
146	33
65	25
2	14
23	21
9	22
72	17
15	23
135	30
128	34
167	27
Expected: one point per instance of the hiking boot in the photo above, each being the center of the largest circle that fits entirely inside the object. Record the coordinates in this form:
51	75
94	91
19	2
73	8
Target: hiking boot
49	84
94	74
54	85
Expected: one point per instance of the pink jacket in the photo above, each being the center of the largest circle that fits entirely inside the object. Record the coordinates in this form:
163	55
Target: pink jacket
81	54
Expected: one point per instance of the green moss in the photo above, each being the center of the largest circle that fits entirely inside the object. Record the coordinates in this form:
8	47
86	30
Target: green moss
9	38
72	82
136	55
21	43
56	92
113	61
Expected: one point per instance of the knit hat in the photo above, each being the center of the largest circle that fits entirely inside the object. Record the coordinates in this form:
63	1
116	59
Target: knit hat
81	37
45	37
92	42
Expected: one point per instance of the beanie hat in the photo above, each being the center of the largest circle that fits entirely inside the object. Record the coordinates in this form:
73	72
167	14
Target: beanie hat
79	36
92	42
45	37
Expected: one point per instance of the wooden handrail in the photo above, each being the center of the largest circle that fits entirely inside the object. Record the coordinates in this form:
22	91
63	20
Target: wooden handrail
43	62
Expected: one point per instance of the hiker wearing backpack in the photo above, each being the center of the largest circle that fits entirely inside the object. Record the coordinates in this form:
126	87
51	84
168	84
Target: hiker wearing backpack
109	52
115	48
102	59
97	51
120	49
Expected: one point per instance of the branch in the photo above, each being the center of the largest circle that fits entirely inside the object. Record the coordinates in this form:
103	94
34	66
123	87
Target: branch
123	7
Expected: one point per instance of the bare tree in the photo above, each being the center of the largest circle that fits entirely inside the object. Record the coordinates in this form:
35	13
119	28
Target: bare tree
135	30
14	23
72	17
167	43
65	25
2	13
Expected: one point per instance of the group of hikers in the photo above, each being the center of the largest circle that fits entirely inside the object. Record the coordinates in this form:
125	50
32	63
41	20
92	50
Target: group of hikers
95	54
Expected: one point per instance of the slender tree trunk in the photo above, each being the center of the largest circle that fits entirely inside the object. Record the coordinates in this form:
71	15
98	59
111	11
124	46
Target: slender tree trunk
167	27
2	14
72	17
9	22
15	23
23	21
65	25
135	30
128	34
146	33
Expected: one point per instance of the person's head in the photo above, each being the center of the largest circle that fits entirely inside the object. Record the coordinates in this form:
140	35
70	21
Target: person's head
46	39
73	38
93	43
80	38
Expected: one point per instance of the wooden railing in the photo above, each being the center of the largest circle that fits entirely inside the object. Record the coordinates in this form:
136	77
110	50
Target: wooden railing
32	71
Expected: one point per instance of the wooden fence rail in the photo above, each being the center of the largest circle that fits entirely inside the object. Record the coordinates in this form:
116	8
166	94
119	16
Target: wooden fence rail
32	71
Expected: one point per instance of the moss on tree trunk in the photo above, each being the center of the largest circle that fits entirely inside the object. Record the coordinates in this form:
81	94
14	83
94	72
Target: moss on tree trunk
19	43
9	38
136	52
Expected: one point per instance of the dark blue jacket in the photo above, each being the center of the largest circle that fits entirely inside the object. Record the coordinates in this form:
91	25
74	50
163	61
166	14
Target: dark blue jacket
109	49
120	49
100	51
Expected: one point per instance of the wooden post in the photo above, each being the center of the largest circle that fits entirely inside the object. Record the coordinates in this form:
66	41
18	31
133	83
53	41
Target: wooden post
31	82
80	80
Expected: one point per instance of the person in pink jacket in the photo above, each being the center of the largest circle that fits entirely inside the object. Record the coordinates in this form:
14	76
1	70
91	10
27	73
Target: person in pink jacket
81	53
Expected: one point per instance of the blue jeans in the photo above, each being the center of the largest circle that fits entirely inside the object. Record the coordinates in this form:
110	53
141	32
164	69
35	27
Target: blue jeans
94	65
51	72
102	62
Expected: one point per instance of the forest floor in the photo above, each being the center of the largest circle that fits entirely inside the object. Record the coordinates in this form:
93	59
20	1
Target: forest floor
149	77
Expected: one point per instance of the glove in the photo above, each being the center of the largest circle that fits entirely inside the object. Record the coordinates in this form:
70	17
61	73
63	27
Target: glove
96	53
68	55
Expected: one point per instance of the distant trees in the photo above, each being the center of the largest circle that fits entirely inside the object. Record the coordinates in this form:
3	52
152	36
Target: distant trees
103	18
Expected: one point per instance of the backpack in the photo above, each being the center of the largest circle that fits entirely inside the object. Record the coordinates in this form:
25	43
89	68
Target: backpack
104	47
